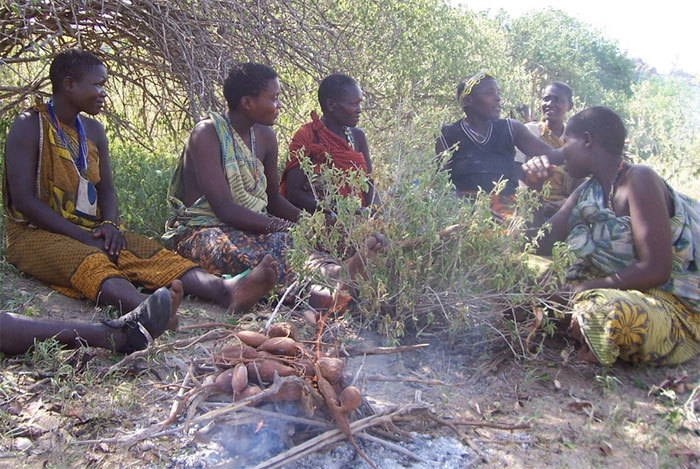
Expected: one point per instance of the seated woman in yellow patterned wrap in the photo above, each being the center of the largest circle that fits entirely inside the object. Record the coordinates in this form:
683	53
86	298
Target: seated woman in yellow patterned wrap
61	212
637	275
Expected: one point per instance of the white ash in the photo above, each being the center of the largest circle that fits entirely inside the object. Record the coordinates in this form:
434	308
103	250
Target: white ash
437	450
440	451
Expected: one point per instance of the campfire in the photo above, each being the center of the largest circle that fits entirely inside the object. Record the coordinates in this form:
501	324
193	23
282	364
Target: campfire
267	398
277	368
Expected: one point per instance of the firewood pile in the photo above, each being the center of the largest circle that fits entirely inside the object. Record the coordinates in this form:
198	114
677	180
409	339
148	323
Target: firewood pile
247	380
250	375
314	378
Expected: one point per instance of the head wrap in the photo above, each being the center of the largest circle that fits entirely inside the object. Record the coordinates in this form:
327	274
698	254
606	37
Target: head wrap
472	82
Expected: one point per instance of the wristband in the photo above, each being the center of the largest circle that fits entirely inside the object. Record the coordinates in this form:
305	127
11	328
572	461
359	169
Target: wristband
110	222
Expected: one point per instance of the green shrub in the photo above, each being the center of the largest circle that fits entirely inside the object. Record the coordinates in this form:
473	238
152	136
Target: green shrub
141	180
425	282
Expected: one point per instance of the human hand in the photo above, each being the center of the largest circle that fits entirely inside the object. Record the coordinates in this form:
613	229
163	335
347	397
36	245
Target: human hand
330	218
114	240
276	225
575	288
537	170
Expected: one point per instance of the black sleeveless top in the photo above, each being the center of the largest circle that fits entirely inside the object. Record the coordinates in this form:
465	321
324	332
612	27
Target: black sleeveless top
474	164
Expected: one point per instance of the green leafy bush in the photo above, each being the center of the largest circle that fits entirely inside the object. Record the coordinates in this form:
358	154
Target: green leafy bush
141	180
472	279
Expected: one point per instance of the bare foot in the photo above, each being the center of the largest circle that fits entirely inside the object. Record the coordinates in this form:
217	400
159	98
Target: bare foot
322	298
585	354
356	264
243	293
176	294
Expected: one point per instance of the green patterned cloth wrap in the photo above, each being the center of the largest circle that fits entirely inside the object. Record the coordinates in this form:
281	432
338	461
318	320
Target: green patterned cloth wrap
245	175
603	242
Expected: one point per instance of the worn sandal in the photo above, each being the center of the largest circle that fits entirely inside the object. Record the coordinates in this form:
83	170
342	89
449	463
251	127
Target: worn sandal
146	322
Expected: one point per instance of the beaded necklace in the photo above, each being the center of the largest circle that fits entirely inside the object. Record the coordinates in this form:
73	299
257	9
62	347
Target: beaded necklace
349	137
251	163
79	160
348	134
613	185
475	136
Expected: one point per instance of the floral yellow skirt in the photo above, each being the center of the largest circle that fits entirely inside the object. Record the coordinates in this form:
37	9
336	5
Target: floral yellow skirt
651	326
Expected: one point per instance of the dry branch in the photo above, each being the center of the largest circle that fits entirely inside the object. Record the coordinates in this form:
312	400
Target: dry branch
171	56
178	344
500	426
335	435
358	351
410	379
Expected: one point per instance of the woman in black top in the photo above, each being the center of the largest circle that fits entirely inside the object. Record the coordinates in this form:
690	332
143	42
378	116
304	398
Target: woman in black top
484	146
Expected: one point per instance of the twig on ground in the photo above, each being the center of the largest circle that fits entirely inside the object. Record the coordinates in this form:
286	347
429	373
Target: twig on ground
179	401
462	436
357	351
157	429
410	379
500	426
333	436
207	325
178	344
279	304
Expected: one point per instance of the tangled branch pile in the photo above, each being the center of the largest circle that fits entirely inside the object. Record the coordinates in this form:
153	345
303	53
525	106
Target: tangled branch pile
174	54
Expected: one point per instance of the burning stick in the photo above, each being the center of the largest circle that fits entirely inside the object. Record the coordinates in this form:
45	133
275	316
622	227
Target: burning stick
335	435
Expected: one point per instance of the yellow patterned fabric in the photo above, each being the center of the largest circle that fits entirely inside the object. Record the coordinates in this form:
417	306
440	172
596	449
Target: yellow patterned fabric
561	184
652	326
67	265
78	270
57	178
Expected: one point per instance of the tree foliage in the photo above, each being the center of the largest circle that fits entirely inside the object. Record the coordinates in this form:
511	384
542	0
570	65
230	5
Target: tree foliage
662	127
552	45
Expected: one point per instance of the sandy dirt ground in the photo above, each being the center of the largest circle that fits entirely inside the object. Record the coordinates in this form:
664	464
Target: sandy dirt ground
578	415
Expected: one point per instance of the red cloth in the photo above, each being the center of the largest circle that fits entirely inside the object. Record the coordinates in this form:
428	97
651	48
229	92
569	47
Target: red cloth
318	142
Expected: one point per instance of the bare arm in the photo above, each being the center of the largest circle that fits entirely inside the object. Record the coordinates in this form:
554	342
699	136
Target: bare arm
531	146
276	204
651	231
559	225
361	140
114	241
21	157
205	154
106	195
296	190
